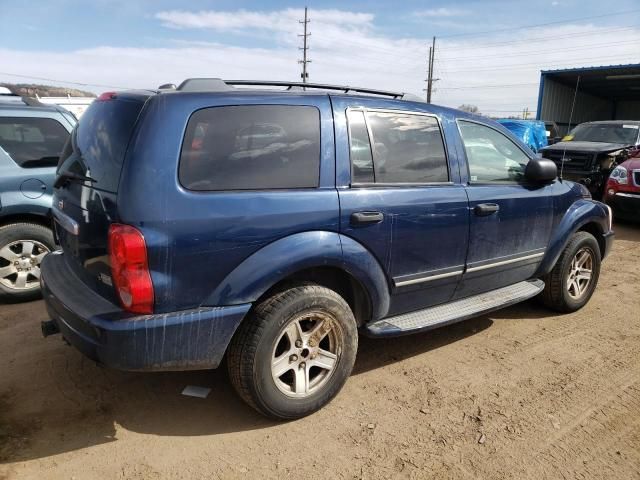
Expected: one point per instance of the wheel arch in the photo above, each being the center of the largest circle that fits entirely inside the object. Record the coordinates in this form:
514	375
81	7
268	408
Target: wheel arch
584	215
42	219
326	258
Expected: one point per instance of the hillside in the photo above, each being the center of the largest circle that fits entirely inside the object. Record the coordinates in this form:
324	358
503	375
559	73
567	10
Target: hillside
33	89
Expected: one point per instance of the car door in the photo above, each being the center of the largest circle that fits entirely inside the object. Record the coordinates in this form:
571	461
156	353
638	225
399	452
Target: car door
400	200
510	219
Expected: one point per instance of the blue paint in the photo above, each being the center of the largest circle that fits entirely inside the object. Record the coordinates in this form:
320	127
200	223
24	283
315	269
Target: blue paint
218	252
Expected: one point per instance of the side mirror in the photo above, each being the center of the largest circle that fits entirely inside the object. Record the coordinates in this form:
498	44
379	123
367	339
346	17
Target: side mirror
541	170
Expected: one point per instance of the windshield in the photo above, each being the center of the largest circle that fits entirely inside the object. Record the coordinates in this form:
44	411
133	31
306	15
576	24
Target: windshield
607	133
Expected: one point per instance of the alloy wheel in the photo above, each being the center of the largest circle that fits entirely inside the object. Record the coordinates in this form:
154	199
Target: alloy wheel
306	354
580	274
20	264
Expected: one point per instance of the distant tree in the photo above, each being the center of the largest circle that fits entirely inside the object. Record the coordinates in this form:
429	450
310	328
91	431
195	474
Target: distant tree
469	108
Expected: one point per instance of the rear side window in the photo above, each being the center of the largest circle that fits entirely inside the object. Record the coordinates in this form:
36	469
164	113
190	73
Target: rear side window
253	147
360	148
32	142
407	148
100	141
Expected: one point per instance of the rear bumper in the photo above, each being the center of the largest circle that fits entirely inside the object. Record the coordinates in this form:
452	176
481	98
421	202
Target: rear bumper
184	340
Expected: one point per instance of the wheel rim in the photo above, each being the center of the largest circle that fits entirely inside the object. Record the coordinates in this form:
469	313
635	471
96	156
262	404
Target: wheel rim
580	274
306	354
20	264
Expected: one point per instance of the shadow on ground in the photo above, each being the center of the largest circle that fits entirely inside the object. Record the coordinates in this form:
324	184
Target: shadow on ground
53	400
66	402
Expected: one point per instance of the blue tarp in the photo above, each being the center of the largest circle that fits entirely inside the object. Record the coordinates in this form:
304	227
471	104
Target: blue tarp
531	132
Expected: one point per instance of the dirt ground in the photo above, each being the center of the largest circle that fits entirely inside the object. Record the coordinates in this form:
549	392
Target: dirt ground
521	393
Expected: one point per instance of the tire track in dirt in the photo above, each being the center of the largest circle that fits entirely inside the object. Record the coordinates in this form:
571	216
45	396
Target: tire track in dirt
599	434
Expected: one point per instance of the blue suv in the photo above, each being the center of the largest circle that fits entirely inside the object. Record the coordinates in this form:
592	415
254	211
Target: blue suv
272	225
32	135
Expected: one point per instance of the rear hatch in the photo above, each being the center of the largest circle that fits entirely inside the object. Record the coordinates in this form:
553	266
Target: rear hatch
86	188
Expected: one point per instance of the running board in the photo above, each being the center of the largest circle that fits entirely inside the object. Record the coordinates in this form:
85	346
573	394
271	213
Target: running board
456	311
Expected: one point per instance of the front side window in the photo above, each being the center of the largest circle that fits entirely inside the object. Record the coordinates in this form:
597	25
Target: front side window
492	156
251	147
32	142
407	148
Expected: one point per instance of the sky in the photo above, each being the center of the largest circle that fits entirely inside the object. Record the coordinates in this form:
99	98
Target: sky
488	53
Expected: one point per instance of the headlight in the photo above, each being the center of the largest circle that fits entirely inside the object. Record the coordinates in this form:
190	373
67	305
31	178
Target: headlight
619	174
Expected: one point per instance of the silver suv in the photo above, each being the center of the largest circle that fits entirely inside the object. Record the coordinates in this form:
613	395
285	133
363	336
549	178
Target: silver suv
32	136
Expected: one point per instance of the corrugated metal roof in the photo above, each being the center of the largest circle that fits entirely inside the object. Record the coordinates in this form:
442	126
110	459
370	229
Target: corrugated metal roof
610	82
595	68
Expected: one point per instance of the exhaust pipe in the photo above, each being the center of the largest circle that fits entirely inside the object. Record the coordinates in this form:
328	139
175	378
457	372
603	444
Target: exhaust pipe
49	327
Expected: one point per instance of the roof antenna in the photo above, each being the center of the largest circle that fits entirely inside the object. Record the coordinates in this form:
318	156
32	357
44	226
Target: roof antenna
564	151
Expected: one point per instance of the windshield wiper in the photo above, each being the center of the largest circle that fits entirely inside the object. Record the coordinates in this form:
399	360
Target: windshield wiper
64	177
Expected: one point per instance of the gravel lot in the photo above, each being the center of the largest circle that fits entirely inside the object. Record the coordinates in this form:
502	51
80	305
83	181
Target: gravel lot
521	393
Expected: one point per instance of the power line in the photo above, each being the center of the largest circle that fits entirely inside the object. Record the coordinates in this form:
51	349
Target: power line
63	81
304	48
546	38
506	85
539	52
472	68
524	27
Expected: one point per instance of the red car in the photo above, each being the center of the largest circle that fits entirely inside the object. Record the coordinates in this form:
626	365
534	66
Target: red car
623	188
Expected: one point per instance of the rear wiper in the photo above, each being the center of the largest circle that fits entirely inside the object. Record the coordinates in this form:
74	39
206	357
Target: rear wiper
64	177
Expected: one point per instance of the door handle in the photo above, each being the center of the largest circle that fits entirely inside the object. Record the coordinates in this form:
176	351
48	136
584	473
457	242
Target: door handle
366	218
484	209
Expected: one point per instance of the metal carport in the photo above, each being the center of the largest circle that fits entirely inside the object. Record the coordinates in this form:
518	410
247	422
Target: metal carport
604	93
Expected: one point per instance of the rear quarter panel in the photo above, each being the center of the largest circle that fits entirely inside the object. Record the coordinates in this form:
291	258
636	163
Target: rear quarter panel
196	239
15	200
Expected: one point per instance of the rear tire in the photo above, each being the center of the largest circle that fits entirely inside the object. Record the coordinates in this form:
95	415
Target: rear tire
569	286
22	247
294	352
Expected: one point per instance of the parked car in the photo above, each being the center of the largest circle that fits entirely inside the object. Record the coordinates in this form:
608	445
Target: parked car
592	150
32	136
531	132
276	251
623	188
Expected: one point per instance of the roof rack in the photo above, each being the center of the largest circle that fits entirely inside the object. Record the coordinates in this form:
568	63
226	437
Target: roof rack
219	85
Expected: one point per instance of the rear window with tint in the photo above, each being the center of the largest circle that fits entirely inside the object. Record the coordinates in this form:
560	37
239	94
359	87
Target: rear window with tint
407	148
251	147
32	142
100	141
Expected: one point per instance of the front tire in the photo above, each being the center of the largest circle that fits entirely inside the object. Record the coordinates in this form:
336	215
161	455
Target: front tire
294	353
569	286
22	248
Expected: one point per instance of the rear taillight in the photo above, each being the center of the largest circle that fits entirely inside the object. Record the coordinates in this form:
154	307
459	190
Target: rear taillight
130	269
106	96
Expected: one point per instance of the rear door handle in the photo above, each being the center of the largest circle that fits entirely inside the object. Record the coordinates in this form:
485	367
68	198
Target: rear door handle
484	209
366	218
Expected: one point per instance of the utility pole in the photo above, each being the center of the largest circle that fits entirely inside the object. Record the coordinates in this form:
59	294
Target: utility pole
305	47
430	79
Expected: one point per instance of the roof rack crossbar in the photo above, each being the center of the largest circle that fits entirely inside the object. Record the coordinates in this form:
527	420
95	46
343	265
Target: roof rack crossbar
322	86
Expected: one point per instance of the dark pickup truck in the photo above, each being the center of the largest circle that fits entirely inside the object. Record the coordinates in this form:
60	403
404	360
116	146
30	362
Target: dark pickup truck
592	150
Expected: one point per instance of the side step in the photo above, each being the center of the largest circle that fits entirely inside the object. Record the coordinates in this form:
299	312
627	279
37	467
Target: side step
456	311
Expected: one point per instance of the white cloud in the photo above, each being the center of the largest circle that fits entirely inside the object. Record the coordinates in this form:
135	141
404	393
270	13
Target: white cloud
284	20
345	48
442	12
